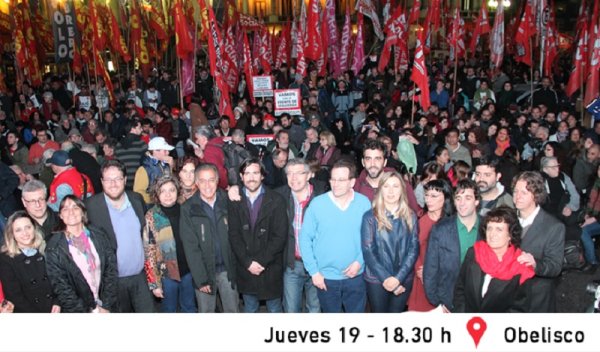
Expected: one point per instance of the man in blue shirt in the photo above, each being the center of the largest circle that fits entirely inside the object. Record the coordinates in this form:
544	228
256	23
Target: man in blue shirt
333	221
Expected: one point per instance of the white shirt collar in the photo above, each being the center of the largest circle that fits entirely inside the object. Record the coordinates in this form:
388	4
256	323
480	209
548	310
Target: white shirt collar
529	220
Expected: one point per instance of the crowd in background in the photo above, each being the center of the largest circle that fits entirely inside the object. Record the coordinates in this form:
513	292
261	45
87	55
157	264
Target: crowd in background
364	201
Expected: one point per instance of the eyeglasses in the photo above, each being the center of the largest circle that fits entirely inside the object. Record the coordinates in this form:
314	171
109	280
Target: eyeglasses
36	201
552	166
113	180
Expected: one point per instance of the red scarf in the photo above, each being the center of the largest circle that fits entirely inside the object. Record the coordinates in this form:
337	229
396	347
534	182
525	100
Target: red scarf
506	269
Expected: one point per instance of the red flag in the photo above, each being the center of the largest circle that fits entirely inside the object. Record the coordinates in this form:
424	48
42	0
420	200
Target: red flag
32	64
333	38
345	48
522	39
323	59
579	70
415	12
300	60
230	69
593	79
358	59
482	26
135	26
497	38
118	42
215	53
457	36
434	15
156	19
283	52
313	49
248	68
264	50
419	72
97	30
393	32
582	18
184	44
551	43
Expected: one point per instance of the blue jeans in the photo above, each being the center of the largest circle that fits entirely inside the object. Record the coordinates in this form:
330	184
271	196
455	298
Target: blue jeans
383	301
587	232
178	294
348	295
297	281
252	303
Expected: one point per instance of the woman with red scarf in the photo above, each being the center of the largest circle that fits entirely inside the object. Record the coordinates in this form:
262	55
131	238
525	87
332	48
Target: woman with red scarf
491	279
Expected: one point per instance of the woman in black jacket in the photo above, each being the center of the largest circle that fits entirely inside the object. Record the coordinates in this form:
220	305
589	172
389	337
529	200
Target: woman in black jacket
491	279
82	264
390	246
23	267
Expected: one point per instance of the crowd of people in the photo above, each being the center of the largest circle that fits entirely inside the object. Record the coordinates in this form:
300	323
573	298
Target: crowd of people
364	202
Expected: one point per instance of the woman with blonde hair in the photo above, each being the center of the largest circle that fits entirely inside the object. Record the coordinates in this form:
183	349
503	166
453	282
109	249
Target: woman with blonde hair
390	246
23	267
328	153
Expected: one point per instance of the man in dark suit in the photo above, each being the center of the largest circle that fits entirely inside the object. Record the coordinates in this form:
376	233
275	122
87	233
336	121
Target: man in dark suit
543	239
258	229
448	243
121	215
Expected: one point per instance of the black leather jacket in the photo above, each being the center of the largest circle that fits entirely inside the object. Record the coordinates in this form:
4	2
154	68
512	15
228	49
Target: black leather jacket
389	253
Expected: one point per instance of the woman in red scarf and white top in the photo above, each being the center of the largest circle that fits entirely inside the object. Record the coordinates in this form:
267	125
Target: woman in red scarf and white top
491	279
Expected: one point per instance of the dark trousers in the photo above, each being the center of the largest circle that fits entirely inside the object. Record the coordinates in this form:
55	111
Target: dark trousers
347	295
382	301
134	295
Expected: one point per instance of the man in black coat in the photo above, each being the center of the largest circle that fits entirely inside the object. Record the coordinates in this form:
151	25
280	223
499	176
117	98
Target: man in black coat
205	238
300	190
258	229
120	215
543	239
8	204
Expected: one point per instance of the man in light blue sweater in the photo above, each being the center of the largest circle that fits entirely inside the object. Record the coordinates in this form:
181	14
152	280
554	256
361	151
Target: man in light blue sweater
330	243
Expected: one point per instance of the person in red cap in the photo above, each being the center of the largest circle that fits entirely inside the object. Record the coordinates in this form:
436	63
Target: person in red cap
268	121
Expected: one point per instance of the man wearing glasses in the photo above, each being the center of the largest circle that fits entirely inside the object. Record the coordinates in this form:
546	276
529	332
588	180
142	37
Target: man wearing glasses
34	200
330	243
120	214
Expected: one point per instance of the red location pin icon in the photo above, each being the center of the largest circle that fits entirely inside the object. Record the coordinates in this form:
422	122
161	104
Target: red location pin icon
476	328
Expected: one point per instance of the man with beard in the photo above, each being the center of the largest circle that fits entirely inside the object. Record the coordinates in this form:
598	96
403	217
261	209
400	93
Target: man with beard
258	230
374	162
120	214
492	191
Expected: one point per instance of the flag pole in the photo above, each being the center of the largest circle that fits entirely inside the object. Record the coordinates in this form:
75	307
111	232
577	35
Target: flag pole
179	76
582	95
531	72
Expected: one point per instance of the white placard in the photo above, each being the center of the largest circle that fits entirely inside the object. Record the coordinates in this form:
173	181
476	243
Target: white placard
260	139
288	100
262	86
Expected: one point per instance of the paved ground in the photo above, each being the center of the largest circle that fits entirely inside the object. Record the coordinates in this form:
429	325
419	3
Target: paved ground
571	296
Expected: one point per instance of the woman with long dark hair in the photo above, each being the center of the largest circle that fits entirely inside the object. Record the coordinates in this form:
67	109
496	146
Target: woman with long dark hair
82	265
438	204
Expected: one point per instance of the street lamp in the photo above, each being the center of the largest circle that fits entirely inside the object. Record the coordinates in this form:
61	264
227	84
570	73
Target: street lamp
493	4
